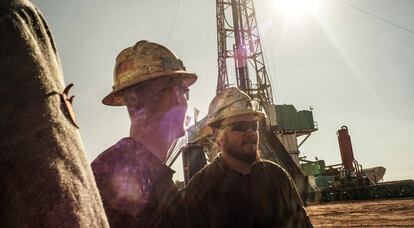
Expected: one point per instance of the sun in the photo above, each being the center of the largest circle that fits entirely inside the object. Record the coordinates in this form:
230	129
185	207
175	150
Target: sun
294	8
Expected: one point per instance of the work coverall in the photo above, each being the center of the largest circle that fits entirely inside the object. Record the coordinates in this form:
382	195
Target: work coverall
136	188
221	197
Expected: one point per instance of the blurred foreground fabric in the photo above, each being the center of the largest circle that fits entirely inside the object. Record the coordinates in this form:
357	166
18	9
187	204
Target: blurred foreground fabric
45	179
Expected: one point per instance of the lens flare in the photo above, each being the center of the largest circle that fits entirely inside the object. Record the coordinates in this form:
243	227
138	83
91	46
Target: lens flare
295	8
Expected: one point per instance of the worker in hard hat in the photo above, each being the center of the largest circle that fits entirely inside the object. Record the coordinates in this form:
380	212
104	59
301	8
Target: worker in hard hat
238	189
135	184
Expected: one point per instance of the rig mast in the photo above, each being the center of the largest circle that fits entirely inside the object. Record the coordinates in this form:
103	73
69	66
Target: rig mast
238	44
240	58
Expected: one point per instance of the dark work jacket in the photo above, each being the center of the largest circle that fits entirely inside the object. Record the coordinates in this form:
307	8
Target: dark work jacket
220	197
136	188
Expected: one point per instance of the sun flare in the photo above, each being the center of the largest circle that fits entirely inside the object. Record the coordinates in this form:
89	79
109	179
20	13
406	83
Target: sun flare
294	8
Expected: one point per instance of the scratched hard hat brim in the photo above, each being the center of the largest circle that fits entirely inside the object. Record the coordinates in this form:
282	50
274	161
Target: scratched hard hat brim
114	98
142	62
230	103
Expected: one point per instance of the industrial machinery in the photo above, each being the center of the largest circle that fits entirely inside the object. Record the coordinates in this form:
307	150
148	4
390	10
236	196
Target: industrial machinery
348	180
241	63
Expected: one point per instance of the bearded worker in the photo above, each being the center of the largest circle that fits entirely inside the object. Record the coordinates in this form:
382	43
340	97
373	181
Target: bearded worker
238	189
135	184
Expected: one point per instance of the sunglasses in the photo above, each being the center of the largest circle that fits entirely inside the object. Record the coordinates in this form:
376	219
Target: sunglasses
178	90
182	90
243	126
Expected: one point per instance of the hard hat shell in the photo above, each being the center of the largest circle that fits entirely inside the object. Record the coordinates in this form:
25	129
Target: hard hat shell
142	62
231	102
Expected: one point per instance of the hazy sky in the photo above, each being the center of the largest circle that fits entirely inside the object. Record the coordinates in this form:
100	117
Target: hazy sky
354	69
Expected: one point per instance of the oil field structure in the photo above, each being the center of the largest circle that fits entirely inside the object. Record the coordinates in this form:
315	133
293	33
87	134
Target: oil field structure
240	57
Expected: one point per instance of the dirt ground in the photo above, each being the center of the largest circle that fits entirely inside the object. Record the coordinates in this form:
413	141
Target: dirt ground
370	213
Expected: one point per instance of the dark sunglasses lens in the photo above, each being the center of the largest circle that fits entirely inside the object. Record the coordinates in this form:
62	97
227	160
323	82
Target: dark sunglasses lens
254	125
186	92
181	91
244	126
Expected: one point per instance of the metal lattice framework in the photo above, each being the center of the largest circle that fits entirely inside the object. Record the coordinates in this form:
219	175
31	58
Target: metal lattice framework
238	44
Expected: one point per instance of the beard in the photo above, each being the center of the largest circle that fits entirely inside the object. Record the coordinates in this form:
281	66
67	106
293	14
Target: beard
246	156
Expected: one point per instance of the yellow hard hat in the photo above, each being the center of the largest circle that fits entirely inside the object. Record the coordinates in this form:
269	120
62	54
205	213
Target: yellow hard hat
144	61
231	102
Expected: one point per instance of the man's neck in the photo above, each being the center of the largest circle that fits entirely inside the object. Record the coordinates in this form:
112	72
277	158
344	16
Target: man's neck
150	138
235	164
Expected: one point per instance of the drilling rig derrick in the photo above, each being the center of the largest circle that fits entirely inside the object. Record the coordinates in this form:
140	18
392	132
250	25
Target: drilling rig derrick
240	58
238	45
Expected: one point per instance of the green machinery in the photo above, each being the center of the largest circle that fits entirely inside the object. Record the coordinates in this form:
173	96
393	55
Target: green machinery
333	183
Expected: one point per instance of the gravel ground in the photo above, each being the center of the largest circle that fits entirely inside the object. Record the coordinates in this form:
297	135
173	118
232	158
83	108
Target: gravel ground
369	213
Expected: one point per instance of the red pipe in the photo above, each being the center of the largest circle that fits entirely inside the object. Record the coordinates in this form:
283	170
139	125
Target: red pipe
345	146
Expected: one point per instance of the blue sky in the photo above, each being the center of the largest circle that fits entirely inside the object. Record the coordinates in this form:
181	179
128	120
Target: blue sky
354	69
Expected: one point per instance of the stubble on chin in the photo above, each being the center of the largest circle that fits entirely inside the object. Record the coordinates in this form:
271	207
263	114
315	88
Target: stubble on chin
248	157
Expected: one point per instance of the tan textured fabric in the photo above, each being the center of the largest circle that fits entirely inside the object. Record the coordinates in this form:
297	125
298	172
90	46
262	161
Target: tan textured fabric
45	179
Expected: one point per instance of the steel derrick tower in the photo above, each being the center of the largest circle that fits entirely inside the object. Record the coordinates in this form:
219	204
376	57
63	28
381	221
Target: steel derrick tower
238	44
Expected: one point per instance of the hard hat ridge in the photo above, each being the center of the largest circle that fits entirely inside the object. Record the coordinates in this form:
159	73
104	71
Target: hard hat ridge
142	62
231	102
